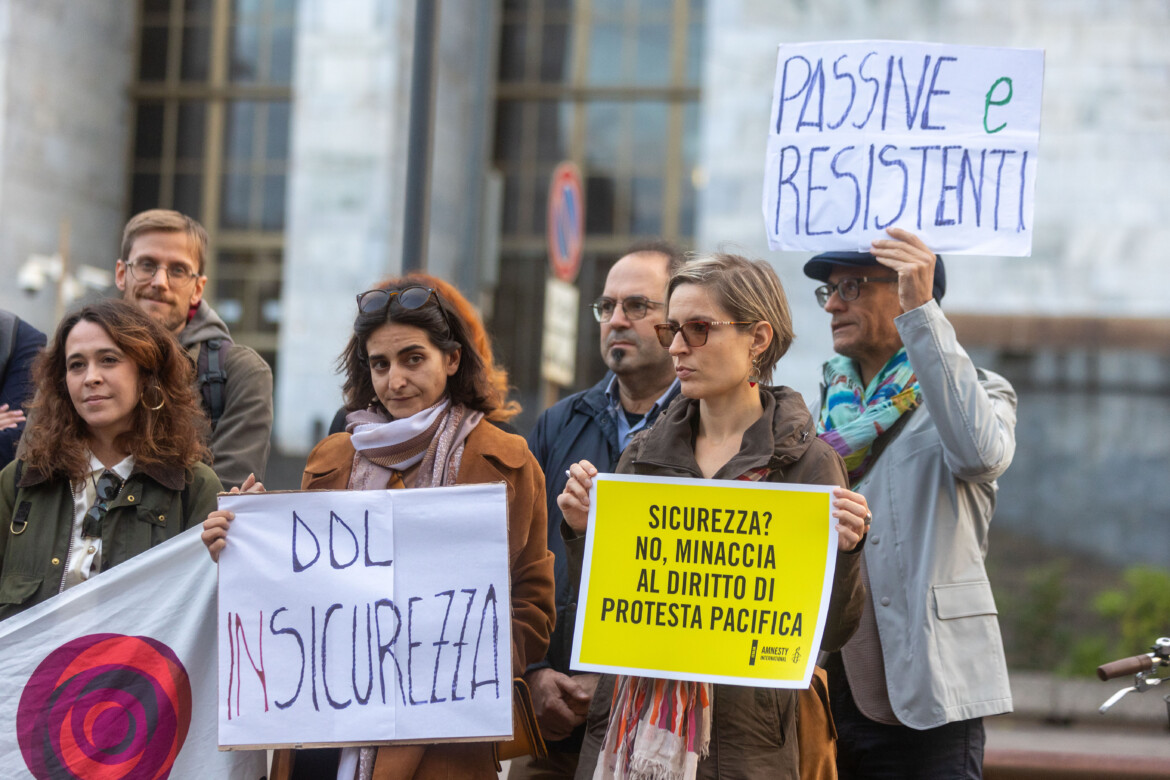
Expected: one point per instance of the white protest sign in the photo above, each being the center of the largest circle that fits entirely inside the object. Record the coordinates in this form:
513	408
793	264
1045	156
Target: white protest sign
115	677
937	139
365	616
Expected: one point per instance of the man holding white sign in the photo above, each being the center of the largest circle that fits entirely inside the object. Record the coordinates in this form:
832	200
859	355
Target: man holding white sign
924	434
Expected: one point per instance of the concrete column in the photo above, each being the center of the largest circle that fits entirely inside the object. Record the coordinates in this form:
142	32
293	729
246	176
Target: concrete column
347	175
65	72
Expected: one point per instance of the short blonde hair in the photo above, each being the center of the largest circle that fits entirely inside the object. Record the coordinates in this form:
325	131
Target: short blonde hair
749	291
165	221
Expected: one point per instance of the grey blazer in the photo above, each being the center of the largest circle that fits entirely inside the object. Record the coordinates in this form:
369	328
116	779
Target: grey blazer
932	493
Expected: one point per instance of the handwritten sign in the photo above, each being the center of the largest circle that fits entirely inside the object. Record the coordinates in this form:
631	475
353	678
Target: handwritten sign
705	580
940	140
360	617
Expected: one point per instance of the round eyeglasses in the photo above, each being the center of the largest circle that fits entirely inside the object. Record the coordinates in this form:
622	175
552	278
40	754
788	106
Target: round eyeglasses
848	288
145	271
694	333
635	307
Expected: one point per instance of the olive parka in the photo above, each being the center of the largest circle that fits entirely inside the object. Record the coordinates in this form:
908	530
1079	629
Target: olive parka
156	503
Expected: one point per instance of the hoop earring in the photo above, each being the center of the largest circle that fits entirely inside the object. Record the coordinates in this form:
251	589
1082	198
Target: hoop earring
754	376
162	401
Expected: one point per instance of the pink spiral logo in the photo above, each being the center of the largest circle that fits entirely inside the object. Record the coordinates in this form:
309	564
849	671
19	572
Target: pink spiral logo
105	707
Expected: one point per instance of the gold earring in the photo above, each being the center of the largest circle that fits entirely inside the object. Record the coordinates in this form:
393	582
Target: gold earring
161	398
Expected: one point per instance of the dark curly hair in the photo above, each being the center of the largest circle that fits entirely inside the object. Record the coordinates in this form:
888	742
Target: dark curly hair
446	329
497	375
55	441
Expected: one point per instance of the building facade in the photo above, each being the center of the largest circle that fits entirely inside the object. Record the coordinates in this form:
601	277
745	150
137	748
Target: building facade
282	126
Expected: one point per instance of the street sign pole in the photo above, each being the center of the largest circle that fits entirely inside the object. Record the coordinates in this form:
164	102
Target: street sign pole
566	237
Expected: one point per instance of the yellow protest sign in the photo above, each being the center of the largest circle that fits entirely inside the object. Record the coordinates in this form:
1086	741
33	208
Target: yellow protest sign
708	580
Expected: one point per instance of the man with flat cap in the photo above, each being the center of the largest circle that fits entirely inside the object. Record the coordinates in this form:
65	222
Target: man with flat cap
924	434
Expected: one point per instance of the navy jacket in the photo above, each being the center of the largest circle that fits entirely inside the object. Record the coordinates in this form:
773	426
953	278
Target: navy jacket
16	387
576	428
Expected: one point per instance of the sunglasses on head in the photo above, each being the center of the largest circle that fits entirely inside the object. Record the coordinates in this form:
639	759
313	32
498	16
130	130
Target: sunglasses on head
694	333
107	488
409	298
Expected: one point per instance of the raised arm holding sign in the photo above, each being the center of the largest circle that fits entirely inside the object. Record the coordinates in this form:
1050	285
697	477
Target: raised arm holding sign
924	434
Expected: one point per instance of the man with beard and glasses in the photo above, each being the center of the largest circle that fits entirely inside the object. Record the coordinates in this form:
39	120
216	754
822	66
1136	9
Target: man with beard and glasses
161	269
596	425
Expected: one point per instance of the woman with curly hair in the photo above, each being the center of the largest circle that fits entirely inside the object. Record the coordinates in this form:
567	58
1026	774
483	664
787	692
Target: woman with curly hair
420	402
111	463
497	376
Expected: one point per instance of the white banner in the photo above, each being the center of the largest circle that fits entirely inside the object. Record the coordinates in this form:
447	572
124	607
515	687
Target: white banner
365	616
941	140
115	678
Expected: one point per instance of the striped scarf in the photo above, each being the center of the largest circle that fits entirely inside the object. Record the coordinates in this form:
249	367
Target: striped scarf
658	729
853	417
433	438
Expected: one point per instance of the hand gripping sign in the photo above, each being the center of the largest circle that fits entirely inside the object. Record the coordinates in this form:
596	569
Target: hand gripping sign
940	140
365	616
705	580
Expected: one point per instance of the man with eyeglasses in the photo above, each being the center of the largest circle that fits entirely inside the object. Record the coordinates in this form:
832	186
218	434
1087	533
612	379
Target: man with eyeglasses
161	270
596	425
924	434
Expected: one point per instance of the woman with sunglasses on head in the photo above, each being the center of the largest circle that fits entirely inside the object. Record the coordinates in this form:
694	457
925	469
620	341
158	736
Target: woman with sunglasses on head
112	461
497	375
418	396
727	326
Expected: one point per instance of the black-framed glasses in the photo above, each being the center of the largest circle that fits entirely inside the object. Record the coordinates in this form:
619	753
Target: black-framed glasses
694	333
145	271
635	307
107	488
848	288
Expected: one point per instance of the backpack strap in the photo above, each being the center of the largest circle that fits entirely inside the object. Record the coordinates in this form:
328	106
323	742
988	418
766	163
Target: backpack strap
212	378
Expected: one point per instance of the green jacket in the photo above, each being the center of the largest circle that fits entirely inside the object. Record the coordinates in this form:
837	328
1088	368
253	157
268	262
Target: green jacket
36	524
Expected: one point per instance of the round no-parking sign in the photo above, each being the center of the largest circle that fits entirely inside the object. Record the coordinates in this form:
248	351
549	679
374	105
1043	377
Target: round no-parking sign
566	222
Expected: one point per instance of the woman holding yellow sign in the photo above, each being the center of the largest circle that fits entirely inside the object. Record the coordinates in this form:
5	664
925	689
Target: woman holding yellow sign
728	324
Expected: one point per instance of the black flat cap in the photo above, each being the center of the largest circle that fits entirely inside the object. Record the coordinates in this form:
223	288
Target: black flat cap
822	266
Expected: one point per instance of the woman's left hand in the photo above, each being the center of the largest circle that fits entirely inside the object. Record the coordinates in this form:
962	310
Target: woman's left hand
852	514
